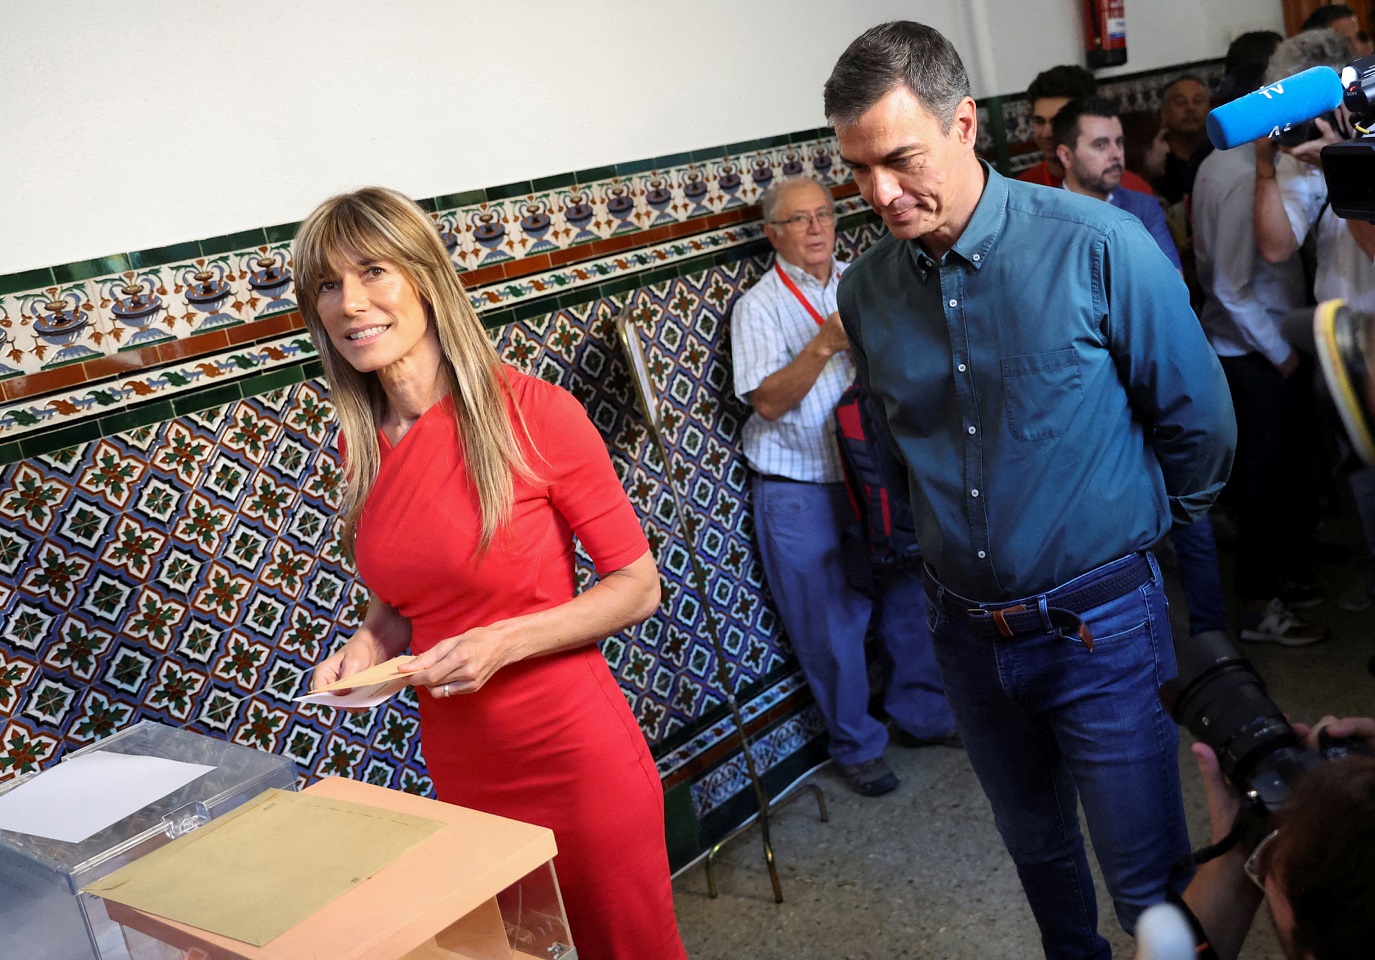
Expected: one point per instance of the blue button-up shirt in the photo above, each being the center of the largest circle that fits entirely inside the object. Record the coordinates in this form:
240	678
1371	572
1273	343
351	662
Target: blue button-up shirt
1047	384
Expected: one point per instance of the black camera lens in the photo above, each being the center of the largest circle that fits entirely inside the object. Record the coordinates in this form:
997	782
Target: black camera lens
1221	700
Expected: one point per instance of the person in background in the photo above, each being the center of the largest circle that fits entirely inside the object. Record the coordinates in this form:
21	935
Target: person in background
1183	110
467	482
1088	142
1315	868
792	363
1143	143
1290	204
1050	91
1273	486
1337	17
1056	417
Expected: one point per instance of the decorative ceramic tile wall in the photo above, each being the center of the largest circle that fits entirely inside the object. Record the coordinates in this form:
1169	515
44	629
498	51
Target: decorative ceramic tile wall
168	476
188	571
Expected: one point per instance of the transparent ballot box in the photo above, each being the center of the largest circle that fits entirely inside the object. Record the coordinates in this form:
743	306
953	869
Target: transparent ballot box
43	913
479	887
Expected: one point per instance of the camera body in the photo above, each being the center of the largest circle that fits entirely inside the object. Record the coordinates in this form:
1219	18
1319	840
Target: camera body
1349	167
1222	701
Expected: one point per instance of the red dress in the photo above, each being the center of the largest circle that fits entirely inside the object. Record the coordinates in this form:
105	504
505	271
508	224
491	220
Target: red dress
548	740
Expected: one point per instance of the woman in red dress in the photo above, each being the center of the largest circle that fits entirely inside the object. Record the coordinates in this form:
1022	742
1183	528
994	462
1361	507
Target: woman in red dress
467	482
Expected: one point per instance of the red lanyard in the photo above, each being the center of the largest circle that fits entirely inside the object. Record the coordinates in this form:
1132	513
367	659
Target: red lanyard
788	282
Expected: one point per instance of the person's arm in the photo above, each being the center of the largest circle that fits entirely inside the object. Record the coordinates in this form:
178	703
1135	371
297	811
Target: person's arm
621	598
1364	235
1153	216
1274	236
1220	895
583	489
1170	372
384	634
784	389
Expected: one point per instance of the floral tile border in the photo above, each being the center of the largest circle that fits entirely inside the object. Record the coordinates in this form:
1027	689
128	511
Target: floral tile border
542	292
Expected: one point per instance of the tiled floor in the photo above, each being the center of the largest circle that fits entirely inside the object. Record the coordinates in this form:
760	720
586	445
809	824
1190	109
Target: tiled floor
921	873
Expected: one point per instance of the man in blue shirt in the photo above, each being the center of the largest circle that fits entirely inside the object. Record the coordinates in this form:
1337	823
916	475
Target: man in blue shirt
1058	408
1087	139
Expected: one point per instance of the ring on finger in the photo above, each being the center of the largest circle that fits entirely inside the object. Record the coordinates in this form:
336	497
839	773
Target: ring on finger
445	688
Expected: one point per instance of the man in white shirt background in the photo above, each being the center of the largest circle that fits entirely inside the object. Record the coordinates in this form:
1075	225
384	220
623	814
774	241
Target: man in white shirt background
792	364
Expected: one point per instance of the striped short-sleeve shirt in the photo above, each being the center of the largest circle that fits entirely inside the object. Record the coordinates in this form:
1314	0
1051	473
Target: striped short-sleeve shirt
769	327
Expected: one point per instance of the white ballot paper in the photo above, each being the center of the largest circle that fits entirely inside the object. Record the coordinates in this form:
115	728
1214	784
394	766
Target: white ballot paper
77	798
359	698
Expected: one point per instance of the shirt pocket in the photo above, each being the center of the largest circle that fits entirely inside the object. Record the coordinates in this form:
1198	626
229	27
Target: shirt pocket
1043	393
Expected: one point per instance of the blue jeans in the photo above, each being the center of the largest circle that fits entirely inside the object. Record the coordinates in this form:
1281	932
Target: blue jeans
1046	722
798	525
1196	548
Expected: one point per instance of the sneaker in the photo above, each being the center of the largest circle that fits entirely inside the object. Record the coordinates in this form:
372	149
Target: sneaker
904	739
1277	624
869	778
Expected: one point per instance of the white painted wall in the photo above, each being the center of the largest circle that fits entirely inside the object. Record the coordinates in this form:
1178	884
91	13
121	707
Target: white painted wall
127	124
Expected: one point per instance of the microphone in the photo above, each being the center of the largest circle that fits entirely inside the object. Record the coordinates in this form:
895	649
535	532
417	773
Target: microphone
1162	933
1275	106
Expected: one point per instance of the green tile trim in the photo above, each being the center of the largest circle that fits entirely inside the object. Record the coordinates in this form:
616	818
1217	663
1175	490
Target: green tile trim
497	319
673	160
593	174
634	167
282	232
205	399
27	280
313	369
10	452
555	182
520	188
157	256
680	825
285	376
465	199
708	153
140	416
86	269
59	438
534	308
759	143
233	241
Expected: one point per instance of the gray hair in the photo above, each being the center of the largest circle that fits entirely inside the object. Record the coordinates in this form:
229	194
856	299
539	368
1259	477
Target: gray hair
899	53
773	195
1312	48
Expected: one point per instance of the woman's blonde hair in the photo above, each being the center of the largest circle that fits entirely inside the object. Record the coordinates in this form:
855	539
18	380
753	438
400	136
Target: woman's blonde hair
375	223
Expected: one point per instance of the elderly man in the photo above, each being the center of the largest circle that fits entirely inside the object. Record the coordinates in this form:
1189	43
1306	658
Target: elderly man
1058	407
791	365
1183	110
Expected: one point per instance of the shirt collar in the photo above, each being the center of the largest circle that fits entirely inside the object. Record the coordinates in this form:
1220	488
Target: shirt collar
798	275
986	225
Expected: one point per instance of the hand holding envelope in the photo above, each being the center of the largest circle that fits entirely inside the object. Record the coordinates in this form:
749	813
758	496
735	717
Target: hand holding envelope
366	688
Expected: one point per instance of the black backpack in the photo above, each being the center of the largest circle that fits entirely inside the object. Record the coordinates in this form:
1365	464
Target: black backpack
881	542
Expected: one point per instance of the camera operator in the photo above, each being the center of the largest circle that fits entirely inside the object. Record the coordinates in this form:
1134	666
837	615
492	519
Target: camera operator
1315	868
1291	194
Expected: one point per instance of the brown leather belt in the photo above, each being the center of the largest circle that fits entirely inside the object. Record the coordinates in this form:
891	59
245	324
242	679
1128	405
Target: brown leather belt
1062	606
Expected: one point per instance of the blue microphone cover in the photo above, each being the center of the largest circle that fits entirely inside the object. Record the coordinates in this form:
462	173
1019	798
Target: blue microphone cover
1275	106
